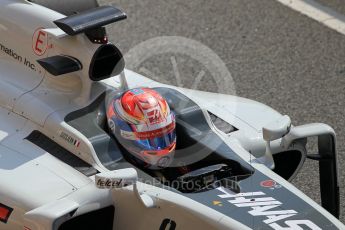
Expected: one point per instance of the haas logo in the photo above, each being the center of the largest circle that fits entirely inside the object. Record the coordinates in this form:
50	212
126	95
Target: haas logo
154	116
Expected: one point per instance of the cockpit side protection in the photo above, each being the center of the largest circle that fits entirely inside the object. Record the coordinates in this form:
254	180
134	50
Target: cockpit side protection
191	127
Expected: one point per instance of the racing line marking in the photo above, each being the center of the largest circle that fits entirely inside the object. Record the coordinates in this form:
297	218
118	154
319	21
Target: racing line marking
318	12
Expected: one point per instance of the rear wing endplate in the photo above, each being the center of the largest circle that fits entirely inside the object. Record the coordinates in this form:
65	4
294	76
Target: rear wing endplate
89	20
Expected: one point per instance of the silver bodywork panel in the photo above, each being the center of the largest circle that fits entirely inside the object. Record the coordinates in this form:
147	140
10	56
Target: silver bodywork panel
45	191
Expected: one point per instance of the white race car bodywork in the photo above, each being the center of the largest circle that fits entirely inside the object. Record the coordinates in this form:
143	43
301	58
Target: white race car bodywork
44	192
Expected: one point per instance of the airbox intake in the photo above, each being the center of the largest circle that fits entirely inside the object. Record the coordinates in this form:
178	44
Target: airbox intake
106	62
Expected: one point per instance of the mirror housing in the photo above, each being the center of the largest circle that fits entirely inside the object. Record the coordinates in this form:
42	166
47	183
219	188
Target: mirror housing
116	179
273	131
277	129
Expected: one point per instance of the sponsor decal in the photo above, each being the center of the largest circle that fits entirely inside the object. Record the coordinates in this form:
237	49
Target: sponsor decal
69	139
271	184
40	42
5	213
155	133
10	52
155	115
109	183
128	135
260	205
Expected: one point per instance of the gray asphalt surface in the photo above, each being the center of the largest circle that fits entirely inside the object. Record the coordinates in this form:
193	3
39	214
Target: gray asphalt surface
275	55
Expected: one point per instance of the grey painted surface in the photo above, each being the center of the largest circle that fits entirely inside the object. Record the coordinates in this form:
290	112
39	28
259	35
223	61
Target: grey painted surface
275	55
337	5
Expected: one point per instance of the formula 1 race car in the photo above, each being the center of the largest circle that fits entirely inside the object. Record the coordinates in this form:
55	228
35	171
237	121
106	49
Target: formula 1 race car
61	168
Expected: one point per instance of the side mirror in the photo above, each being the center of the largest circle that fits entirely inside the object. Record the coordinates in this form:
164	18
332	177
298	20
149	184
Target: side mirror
271	132
122	178
277	129
116	179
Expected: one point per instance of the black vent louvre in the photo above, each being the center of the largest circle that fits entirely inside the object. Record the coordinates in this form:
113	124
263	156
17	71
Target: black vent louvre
61	153
222	125
58	65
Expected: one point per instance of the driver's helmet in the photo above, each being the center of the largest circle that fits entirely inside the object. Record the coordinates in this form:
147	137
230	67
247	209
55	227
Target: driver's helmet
143	124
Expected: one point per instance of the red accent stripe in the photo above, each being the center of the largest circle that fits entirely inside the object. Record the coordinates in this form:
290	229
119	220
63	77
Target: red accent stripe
155	133
5	213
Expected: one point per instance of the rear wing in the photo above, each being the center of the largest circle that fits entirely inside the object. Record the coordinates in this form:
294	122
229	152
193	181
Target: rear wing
90	20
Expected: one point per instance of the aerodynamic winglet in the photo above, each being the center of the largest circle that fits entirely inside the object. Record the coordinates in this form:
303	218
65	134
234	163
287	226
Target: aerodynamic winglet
56	33
58	65
91	19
